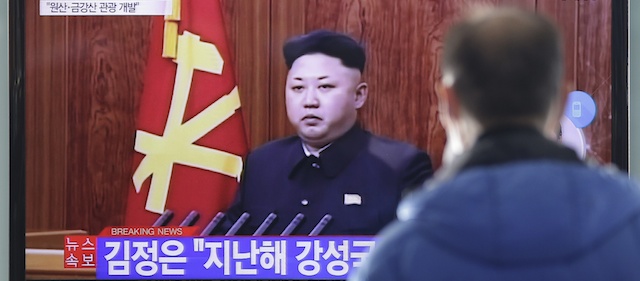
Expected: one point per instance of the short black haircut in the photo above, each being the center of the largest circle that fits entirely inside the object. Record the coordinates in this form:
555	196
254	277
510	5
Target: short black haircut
330	43
504	63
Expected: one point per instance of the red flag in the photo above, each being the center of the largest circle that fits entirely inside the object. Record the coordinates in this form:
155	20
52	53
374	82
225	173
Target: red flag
190	138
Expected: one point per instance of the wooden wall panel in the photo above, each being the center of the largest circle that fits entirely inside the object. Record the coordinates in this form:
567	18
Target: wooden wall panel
106	68
249	31
45	119
593	72
526	4
565	15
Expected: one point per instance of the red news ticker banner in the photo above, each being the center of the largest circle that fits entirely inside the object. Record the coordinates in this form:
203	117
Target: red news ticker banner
80	250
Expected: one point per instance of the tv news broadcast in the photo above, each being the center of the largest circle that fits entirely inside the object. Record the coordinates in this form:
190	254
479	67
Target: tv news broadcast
145	119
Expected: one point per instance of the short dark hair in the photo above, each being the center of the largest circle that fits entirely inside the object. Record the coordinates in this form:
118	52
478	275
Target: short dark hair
330	43
504	63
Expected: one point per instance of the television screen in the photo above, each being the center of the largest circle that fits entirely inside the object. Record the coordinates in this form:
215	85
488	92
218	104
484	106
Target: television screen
106	92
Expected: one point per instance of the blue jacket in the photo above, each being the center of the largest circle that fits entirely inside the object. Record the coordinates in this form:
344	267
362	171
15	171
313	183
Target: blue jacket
516	208
358	180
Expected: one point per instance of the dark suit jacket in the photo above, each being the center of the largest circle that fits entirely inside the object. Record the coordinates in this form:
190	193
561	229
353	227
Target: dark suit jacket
358	180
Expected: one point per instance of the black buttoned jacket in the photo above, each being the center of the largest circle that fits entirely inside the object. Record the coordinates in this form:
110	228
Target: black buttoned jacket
358	180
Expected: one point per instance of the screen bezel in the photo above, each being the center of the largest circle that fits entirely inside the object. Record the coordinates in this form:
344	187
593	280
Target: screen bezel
619	126
16	141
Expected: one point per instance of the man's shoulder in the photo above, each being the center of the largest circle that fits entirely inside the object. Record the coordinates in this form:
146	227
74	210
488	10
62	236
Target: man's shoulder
539	197
386	147
555	173
544	182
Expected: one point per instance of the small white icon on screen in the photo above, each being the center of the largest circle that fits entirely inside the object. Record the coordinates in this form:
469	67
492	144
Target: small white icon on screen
576	109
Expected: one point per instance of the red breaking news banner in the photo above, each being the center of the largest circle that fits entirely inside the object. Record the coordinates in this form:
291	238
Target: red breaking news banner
190	140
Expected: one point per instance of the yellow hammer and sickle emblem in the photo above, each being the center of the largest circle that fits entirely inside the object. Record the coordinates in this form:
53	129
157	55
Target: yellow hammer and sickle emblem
176	145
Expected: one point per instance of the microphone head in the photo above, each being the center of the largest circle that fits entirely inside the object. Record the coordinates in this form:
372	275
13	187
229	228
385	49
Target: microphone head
236	226
321	224
212	224
265	224
191	219
164	219
293	224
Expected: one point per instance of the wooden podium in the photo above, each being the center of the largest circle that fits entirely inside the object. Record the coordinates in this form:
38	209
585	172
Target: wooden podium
44	257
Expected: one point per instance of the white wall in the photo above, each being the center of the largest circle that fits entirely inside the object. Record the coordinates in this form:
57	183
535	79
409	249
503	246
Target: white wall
634	89
4	139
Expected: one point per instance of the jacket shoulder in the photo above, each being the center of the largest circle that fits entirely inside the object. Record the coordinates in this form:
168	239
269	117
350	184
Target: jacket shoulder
395	152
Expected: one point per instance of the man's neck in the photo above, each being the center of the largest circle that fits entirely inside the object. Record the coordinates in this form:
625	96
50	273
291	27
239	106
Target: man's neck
530	122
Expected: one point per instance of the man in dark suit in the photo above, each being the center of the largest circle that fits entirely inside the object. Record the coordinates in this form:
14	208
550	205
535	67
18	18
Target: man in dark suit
332	166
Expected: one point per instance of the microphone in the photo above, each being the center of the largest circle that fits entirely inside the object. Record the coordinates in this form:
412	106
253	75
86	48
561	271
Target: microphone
292	225
212	224
320	226
236	226
265	224
164	218
191	219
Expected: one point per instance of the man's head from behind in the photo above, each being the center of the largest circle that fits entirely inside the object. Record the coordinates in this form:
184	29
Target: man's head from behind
323	88
502	65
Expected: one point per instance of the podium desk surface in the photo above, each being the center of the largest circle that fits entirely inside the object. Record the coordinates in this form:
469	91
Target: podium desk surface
49	264
49	239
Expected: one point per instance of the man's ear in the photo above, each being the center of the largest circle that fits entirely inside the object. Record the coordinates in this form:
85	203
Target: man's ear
362	92
448	104
556	111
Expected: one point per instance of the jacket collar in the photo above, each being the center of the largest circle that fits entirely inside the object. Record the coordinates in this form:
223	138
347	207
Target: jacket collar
334	158
509	144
